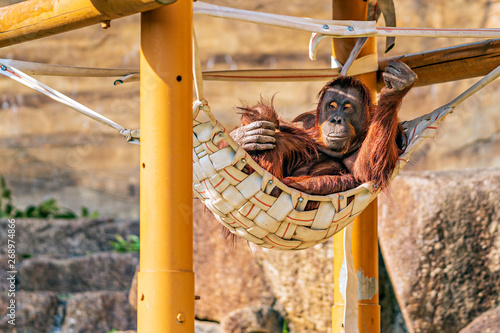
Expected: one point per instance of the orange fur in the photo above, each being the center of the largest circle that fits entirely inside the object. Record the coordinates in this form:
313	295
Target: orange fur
379	153
302	161
293	145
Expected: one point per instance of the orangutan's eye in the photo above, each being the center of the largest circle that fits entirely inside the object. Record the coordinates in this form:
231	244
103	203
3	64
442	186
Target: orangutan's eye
348	107
333	105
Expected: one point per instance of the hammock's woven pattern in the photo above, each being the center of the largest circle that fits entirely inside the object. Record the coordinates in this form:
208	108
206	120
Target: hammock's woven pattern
241	202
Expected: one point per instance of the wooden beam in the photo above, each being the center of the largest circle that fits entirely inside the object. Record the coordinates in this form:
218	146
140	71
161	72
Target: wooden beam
35	19
449	64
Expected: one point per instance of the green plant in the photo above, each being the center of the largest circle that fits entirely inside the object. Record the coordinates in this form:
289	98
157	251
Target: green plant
285	326
46	209
49	208
85	213
6	207
131	244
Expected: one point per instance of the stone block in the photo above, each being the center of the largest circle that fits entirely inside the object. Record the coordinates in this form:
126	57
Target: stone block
248	320
63	238
227	276
100	271
488	322
303	284
34	313
439	236
98	312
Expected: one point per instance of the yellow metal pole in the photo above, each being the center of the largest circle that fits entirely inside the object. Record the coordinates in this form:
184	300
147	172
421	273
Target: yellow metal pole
35	19
166	278
364	235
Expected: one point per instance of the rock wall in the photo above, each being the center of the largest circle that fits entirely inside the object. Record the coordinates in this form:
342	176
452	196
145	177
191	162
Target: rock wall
227	276
488	322
68	279
438	232
439	237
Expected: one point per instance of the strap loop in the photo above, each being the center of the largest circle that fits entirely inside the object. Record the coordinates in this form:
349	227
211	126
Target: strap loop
132	136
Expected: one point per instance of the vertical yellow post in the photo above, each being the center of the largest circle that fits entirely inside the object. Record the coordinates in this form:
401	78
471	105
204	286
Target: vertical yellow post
364	235
166	278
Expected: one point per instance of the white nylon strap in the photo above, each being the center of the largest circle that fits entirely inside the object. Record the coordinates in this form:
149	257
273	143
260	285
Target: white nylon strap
197	73
337	28
435	117
349	284
132	136
353	55
200	103
326	27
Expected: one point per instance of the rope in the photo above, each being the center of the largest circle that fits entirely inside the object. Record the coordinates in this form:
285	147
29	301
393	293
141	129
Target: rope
131	136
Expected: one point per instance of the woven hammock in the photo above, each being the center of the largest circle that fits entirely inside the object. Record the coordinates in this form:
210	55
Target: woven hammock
242	202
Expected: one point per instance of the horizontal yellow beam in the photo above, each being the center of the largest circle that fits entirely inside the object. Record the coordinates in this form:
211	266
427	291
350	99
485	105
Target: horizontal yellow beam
35	19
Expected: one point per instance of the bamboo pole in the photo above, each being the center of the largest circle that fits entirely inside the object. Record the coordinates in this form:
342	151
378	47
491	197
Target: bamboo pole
364	228
166	279
35	19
